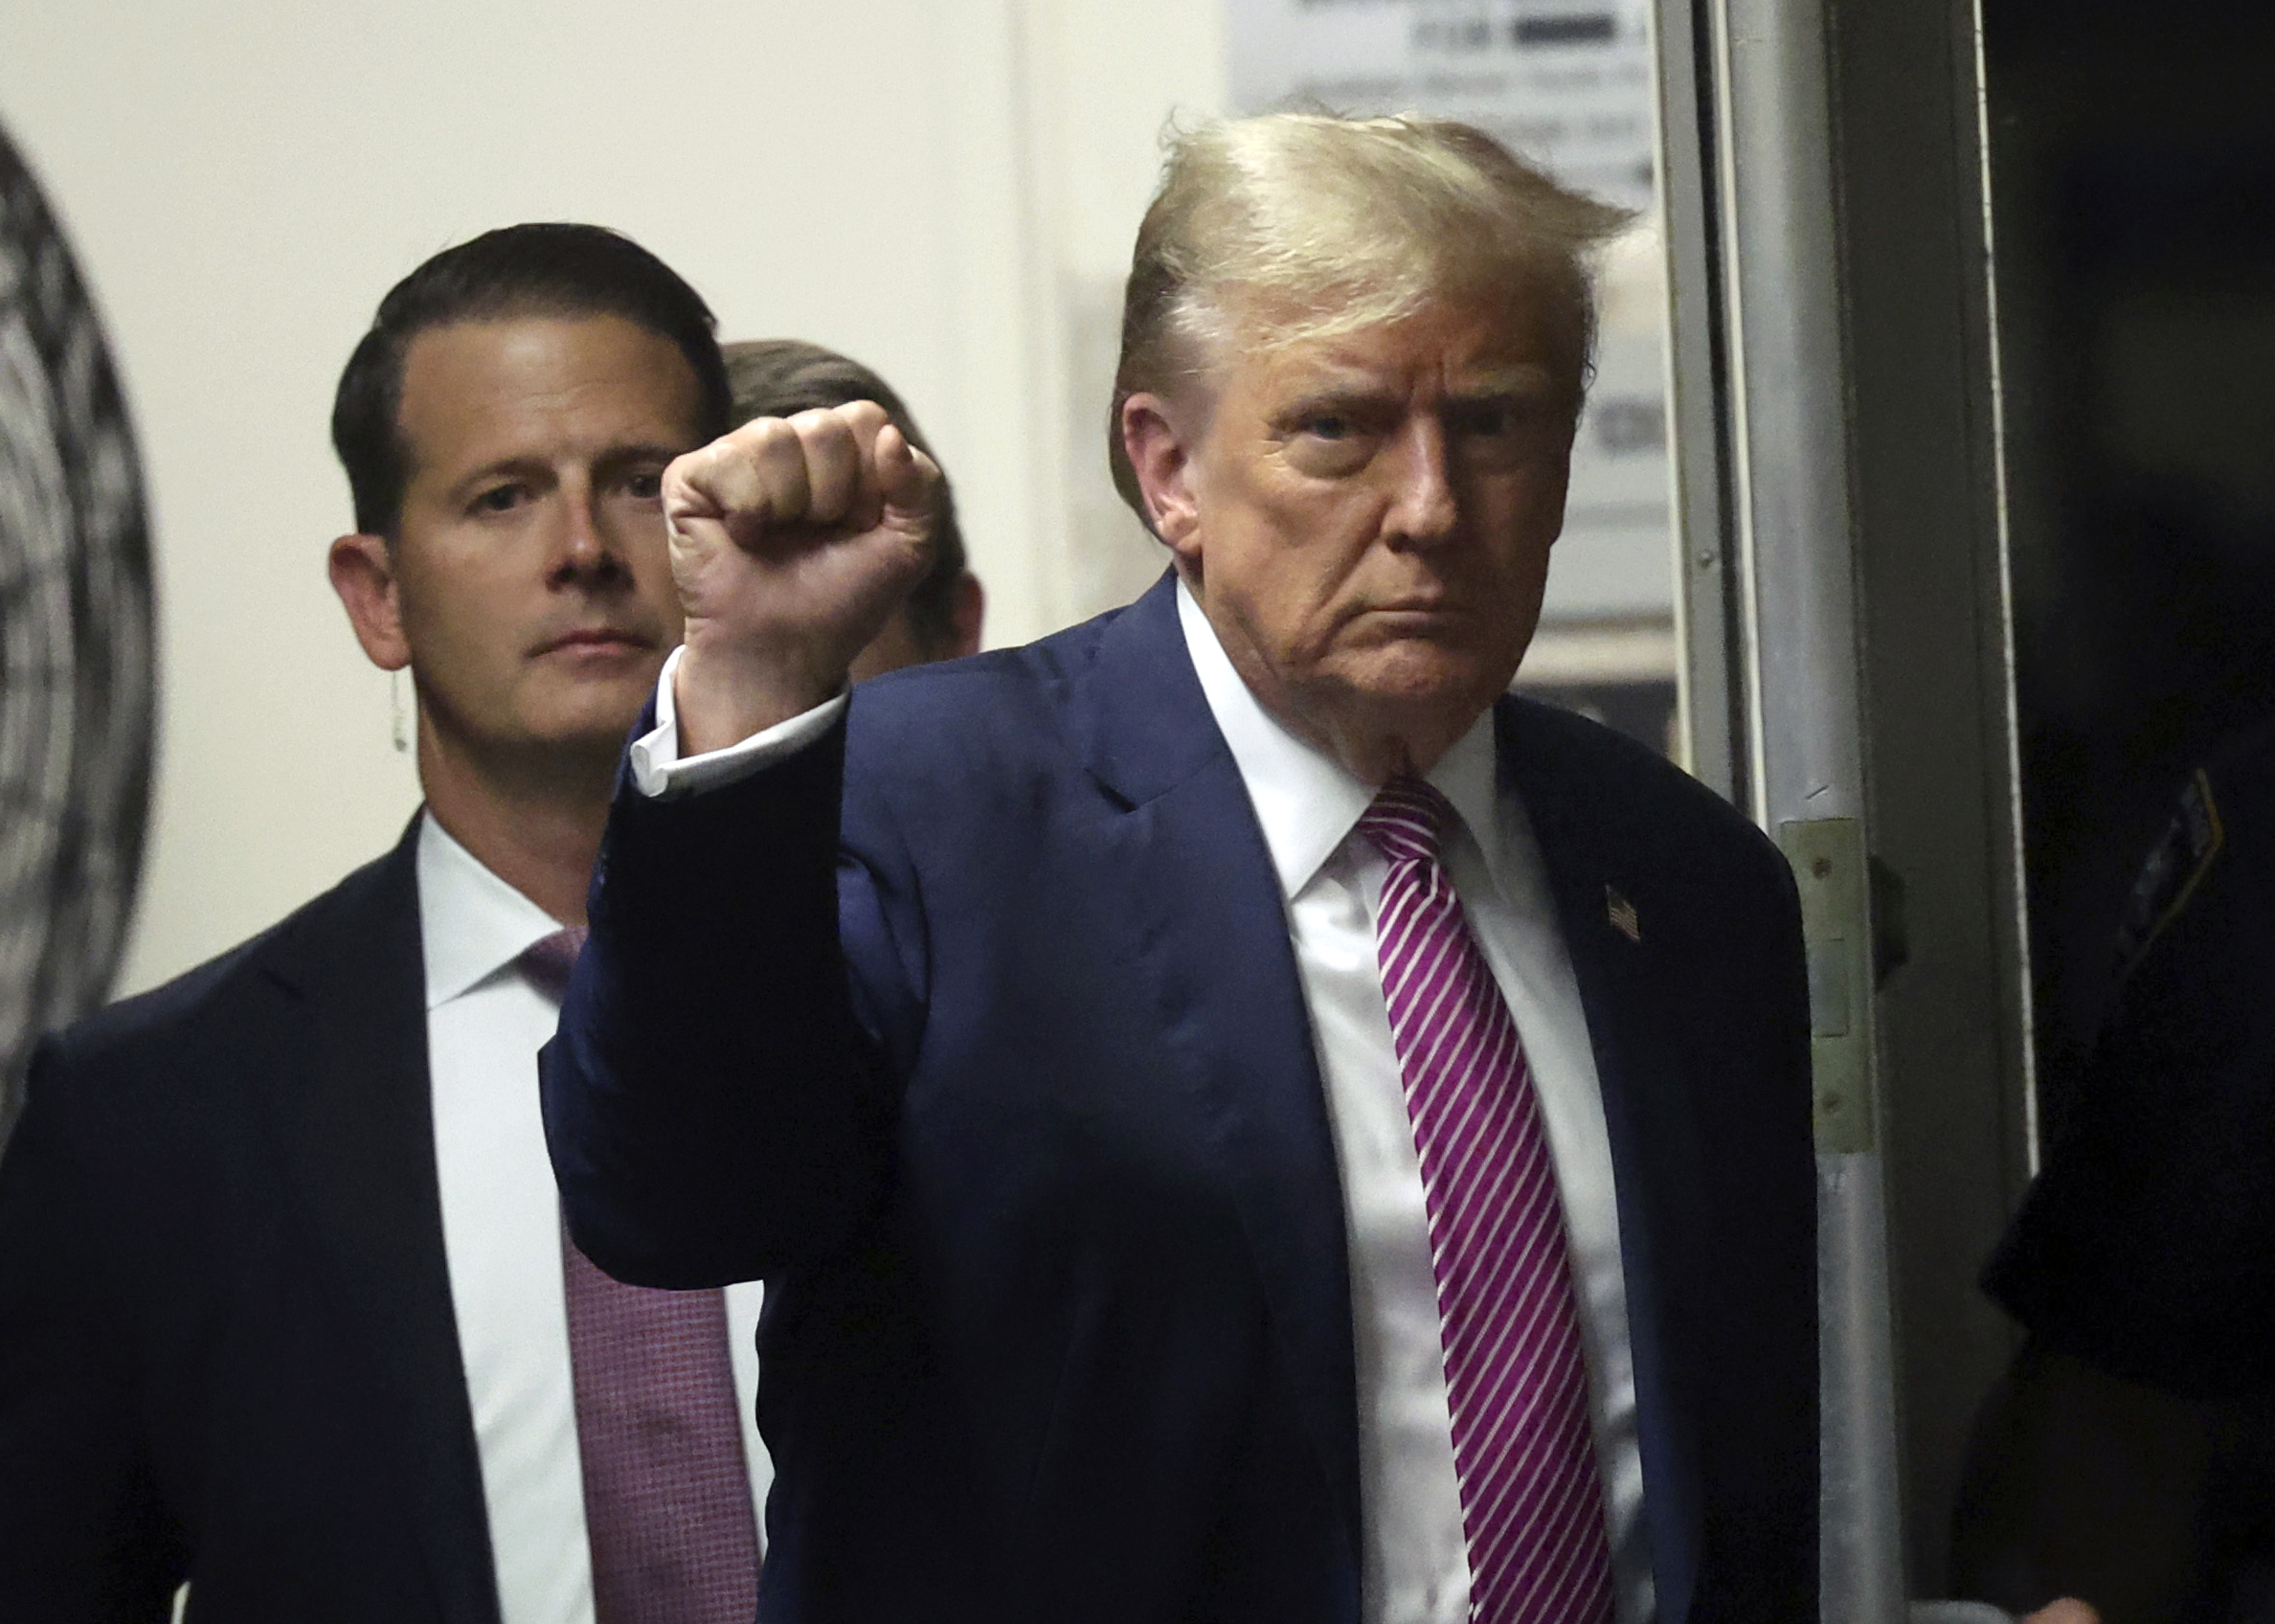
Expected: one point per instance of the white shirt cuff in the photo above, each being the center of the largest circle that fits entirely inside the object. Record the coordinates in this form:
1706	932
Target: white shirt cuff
659	770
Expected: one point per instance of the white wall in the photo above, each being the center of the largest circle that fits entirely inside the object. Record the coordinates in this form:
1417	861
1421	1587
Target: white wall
944	188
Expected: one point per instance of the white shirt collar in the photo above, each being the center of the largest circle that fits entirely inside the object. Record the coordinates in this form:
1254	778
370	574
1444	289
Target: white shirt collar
1307	802
472	925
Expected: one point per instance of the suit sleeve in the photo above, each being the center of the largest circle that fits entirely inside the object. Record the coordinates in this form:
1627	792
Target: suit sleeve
83	1535
1779	1538
2146	1245
715	1106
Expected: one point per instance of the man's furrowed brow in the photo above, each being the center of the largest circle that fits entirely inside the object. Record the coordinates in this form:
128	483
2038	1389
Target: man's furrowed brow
529	468
1340	393
1354	393
637	455
1517	383
614	458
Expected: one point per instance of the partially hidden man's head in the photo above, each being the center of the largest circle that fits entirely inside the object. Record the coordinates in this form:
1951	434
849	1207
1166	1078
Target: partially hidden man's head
780	377
504	424
1354	352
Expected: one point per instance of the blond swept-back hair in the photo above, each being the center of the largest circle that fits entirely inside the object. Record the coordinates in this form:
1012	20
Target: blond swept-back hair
1306	225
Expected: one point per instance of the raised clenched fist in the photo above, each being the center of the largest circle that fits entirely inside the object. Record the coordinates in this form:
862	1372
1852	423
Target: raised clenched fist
793	541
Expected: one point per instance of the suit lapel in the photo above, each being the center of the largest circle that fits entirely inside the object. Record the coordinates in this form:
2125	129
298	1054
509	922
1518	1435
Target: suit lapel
1211	936
358	1130
1639	1073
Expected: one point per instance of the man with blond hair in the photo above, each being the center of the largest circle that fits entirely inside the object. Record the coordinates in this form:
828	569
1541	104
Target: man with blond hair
1239	1118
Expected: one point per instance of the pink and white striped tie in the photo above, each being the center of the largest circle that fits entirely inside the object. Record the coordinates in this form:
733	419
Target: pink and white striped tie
1532	1500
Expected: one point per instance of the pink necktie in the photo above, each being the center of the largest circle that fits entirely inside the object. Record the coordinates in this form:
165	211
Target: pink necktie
667	1491
1532	1501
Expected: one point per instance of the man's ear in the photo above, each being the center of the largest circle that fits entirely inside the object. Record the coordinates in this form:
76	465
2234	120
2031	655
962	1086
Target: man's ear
363	573
1155	437
967	609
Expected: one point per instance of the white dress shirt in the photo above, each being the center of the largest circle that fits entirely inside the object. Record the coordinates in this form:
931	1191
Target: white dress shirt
501	1235
1415	1565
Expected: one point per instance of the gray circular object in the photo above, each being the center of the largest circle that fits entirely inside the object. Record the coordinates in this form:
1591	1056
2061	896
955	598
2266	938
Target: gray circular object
75	668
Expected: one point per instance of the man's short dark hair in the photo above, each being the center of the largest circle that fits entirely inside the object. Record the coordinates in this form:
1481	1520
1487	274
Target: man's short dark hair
552	269
776	378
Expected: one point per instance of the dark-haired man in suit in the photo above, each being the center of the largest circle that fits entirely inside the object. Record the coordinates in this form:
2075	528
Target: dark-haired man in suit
285	1312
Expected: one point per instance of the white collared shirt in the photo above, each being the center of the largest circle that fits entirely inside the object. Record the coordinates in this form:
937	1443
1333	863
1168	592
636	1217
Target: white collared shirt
501	1235
1415	1565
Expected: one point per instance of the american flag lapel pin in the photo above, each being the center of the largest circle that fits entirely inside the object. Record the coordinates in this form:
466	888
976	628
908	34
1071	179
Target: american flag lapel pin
1622	914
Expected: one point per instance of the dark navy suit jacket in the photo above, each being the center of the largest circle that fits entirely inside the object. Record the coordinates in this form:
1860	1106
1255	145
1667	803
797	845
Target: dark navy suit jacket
976	1030
227	1347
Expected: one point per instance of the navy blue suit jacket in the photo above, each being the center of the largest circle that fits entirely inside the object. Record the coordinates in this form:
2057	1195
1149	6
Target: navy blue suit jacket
976	1030
227	1347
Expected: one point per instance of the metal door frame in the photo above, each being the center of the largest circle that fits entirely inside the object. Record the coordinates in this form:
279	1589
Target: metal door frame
1843	601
